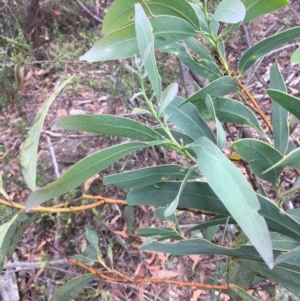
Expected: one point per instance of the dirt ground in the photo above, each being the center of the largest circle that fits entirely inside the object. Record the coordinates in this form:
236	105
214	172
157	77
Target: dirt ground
101	89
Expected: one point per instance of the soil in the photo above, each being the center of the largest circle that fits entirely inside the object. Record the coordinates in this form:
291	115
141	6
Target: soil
103	89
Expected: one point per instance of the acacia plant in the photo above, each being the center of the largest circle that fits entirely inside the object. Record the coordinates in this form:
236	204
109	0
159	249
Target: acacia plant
210	181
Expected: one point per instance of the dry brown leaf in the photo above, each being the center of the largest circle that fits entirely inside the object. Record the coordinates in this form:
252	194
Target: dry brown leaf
163	274
153	268
195	259
115	219
141	292
122	233
87	184
85	94
197	294
139	271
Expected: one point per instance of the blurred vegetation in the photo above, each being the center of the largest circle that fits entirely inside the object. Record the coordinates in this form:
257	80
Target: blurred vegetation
34	34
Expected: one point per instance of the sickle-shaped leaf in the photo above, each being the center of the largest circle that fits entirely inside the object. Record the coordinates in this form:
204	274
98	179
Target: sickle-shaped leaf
235	193
11	233
83	170
107	125
295	59
69	290
28	154
265	46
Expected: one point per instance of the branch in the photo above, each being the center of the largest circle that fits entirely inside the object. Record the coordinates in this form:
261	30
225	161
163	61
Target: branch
88	11
125	279
58	209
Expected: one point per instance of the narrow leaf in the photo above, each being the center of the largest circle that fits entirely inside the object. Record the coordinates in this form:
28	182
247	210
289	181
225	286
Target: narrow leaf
285	275
73	287
260	157
292	257
289	102
28	153
2	191
83	170
92	237
214	221
6	234
257	8
230	11
123	44
241	293
292	160
107	125
235	193
199	195
283	243
149	176
279	114
201	16
265	46
229	110
168	96
199	49
202	246
203	67
174	204
11	233
277	219
187	119
221	135
145	41
219	87
159	233
295	59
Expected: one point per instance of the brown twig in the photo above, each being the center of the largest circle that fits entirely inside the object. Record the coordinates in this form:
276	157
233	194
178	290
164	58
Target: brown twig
255	104
125	279
57	209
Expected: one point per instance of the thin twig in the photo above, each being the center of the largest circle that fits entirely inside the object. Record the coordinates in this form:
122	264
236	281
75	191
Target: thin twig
19	265
57	208
88	11
136	281
53	157
256	106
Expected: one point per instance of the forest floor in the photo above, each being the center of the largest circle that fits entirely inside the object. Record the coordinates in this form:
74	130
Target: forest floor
106	88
